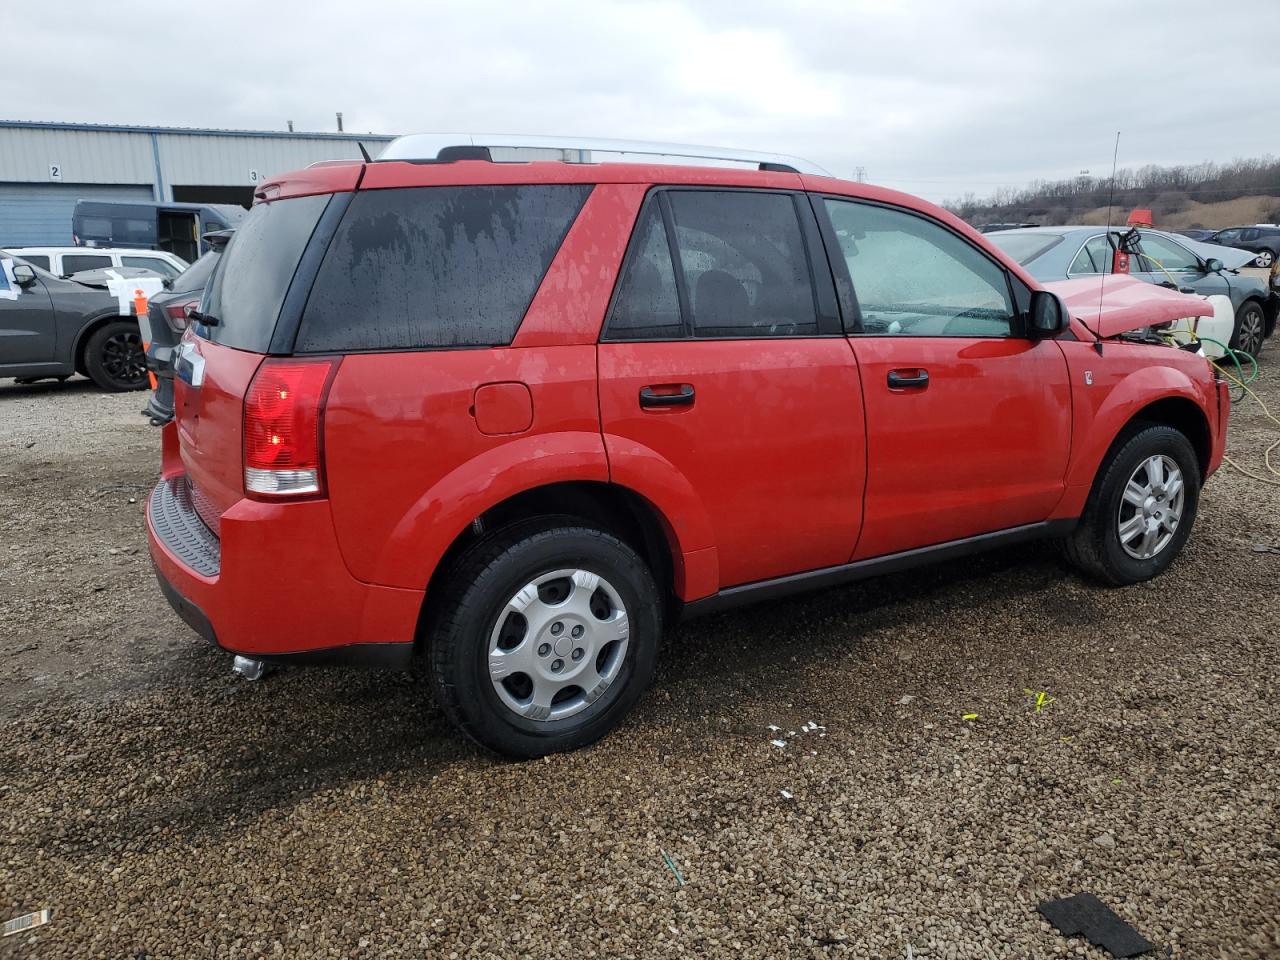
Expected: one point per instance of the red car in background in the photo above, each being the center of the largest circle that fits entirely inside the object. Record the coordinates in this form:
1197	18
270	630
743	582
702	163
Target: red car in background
518	417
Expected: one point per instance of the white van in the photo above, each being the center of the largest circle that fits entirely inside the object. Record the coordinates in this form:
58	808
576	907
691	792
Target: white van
64	261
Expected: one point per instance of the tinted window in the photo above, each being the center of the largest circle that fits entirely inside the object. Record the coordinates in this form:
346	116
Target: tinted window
133	231
40	260
75	262
254	274
1024	247
99	228
436	266
744	264
647	306
159	265
197	275
913	277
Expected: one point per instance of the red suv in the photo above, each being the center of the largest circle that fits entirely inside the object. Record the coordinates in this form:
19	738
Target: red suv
517	418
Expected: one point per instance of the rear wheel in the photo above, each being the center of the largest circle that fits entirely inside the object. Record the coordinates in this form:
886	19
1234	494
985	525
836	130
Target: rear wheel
1141	510
546	637
1265	259
1250	328
113	357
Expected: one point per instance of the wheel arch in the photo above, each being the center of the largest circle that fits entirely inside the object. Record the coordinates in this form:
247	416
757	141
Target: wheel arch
87	330
626	514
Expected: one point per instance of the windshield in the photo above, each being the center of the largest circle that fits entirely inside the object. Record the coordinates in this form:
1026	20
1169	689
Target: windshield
1024	247
253	274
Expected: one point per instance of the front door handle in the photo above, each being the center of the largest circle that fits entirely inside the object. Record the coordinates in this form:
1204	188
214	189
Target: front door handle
916	379
671	395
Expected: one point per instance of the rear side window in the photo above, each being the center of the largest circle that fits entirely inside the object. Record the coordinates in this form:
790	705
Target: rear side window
75	262
254	273
436	266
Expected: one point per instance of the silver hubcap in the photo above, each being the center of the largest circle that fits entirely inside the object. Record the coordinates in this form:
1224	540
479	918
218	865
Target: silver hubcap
1151	507
1251	331
558	644
1264	259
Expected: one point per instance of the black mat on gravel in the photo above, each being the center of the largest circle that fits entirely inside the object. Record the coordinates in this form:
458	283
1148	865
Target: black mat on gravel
1086	915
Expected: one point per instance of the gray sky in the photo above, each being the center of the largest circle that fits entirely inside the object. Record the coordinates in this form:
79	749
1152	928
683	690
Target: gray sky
936	98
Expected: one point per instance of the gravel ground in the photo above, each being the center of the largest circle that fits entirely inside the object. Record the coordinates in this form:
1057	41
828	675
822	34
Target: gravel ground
161	808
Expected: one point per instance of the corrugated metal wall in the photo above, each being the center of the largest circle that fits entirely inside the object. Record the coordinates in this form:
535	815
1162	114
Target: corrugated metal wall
83	156
39	214
102	163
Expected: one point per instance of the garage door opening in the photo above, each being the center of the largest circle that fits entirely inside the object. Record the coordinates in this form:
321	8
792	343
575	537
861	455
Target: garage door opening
196	194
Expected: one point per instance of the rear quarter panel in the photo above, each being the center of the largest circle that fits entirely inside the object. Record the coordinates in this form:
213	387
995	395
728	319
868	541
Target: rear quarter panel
408	467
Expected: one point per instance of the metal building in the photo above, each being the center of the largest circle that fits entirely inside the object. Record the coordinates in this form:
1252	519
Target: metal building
45	167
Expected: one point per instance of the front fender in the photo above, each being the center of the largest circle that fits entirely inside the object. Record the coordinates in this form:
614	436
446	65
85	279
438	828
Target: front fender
1107	393
417	543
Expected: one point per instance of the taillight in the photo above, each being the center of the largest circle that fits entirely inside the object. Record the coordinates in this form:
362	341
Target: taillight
177	313
283	412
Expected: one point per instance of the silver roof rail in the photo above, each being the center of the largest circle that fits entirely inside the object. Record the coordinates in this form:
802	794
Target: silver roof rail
479	146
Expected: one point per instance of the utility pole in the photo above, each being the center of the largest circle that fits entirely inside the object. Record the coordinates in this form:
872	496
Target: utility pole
290	122
339	122
861	174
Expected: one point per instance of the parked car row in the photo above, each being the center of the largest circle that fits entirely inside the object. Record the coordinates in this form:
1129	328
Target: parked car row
1063	253
1261	239
65	261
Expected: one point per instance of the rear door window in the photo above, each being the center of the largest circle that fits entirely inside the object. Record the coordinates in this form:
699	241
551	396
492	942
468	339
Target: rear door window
429	267
75	262
254	273
744	264
160	266
647	306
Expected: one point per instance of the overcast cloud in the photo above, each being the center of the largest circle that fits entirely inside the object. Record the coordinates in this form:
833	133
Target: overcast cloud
937	98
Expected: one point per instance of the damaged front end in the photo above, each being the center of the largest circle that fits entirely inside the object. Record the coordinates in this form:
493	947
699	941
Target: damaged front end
1118	306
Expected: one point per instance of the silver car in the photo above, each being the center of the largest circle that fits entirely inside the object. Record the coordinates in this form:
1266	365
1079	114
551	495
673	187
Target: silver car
1063	253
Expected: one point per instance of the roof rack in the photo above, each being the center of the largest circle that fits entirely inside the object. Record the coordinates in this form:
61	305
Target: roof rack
481	146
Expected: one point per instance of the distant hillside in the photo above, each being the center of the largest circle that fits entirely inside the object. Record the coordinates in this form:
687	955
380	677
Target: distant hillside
1207	195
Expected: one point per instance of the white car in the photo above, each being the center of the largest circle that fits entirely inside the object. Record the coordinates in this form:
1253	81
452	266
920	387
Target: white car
64	261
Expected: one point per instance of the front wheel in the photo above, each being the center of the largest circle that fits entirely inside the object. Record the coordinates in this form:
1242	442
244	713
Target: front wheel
1141	510
113	357
546	637
1250	329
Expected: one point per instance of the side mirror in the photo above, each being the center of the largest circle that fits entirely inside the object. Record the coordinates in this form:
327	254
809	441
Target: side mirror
1048	315
1213	265
23	275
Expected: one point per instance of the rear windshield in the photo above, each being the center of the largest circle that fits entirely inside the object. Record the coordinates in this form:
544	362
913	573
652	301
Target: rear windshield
255	269
197	275
436	266
1024	247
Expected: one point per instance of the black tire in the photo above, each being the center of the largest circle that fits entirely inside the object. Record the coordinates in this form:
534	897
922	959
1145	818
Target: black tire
474	596
1094	547
113	357
1251	326
1265	259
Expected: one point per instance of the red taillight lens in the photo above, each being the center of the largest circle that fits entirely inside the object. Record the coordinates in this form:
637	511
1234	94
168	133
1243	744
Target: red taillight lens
177	313
282	421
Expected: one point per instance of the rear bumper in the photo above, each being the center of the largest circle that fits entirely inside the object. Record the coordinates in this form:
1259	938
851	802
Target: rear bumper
274	585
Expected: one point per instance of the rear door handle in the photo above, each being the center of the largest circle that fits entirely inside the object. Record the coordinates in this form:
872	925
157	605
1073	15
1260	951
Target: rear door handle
916	379
672	395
